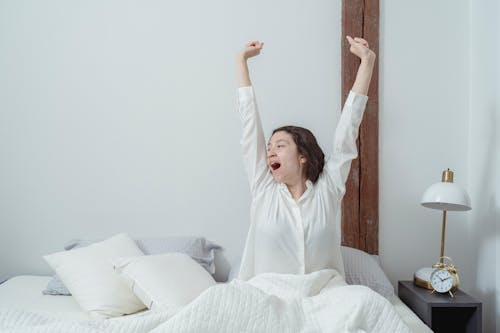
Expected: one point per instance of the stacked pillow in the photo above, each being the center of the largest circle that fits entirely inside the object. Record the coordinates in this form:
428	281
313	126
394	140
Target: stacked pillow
89	275
165	280
198	248
113	277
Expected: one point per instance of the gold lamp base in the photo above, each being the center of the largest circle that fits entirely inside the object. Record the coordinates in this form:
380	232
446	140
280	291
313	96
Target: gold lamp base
422	277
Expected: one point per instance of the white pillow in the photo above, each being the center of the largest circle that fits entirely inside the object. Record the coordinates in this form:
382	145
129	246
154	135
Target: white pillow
88	274
165	280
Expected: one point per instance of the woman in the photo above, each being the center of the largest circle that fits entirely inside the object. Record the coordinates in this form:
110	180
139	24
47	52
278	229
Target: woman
296	193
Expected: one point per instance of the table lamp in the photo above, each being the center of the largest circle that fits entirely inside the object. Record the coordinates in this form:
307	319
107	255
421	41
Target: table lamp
444	196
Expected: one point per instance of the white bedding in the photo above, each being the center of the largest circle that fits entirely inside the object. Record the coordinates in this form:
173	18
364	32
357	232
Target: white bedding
409	317
25	292
246	308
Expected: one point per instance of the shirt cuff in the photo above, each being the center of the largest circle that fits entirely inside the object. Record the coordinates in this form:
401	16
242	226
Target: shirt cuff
246	93
356	100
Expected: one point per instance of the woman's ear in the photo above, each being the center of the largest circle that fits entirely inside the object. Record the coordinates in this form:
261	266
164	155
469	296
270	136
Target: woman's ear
303	160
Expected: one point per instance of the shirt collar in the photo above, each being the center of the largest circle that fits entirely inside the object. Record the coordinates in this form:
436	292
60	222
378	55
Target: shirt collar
309	187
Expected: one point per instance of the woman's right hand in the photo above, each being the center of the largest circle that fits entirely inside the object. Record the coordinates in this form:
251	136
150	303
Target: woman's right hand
251	50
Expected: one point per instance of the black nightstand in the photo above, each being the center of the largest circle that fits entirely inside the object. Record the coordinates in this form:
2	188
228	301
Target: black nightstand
440	312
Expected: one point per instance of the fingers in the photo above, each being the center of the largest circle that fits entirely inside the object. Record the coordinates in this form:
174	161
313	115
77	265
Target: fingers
256	44
357	40
361	40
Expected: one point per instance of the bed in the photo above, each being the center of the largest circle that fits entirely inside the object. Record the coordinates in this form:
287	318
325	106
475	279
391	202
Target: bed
24	293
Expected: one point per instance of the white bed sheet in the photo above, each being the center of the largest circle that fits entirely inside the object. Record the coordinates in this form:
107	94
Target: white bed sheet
25	292
409	317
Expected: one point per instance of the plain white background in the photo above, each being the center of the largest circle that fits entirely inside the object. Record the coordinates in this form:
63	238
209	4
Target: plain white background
439	102
120	116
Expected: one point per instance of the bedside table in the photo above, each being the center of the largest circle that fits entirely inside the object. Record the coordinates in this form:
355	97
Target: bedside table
440	312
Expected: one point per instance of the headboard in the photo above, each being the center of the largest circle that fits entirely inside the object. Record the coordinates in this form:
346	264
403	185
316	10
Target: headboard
360	203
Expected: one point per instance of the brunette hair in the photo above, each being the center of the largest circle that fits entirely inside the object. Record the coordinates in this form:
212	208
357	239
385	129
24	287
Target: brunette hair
307	146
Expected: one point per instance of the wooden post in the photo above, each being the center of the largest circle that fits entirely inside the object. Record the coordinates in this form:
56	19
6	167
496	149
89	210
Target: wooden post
360	204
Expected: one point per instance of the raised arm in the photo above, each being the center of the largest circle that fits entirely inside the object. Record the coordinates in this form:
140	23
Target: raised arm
252	141
250	50
360	48
345	148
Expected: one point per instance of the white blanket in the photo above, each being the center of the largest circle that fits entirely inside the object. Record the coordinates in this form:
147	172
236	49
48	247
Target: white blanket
316	302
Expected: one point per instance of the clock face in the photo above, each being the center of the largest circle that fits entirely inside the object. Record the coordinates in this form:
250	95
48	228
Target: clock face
441	280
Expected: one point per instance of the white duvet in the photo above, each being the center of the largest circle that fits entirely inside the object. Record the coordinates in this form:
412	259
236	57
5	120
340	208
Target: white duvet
316	302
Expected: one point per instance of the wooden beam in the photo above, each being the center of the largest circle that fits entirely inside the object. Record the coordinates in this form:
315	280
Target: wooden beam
369	140
360	203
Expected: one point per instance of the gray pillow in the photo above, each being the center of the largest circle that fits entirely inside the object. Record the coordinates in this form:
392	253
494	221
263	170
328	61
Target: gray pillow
360	268
364	269
56	287
198	248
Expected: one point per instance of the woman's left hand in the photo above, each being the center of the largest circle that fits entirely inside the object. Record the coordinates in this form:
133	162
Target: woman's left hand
360	48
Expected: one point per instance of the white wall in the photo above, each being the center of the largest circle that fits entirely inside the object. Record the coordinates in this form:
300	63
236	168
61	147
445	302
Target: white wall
440	109
423	128
484	109
120	116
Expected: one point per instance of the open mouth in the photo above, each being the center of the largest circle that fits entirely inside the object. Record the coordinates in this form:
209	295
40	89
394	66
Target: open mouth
275	165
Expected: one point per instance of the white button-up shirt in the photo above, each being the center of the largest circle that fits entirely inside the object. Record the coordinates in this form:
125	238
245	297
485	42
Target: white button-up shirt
287	235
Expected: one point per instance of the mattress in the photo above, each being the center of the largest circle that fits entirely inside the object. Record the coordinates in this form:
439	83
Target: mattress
25	292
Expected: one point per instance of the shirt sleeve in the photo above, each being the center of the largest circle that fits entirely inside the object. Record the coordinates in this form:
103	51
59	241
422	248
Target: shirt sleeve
344	145
247	265
253	142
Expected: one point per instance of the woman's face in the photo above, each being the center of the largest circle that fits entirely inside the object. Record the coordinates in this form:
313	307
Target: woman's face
284	160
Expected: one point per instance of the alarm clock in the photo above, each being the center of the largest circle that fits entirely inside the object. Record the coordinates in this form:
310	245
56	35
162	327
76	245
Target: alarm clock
444	279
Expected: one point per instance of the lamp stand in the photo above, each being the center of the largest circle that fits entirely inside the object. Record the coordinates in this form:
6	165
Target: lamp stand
447	177
443	230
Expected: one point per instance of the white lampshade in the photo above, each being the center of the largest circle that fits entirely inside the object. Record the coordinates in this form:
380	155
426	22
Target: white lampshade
446	196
